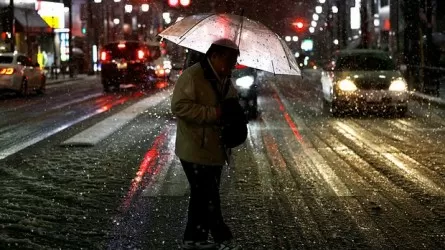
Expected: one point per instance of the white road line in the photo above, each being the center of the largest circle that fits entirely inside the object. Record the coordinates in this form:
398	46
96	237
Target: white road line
17	147
103	129
319	164
412	169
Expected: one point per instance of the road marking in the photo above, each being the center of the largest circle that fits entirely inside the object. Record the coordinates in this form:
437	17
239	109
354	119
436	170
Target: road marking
316	159
412	169
103	129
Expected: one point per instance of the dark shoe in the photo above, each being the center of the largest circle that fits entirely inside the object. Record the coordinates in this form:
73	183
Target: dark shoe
196	245
229	245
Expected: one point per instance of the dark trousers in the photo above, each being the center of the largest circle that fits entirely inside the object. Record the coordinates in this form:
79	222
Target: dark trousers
204	212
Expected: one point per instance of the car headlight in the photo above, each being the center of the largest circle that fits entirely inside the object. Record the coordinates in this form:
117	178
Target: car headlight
398	85
347	85
244	82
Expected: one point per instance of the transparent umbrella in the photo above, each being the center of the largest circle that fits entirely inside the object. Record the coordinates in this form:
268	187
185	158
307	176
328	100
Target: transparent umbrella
260	47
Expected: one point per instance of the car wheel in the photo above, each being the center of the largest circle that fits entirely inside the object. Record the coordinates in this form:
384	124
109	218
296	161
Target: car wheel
24	88
335	109
41	90
253	113
106	86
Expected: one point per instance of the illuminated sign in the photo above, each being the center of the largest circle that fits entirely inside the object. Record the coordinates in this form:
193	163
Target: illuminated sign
307	45
52	21
53	13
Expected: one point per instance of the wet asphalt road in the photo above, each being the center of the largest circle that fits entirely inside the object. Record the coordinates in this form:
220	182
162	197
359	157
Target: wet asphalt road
302	180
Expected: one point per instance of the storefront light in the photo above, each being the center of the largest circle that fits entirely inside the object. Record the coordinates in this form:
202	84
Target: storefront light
145	7
128	8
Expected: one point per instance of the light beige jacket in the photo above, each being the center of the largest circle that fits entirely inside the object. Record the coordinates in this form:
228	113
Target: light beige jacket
194	104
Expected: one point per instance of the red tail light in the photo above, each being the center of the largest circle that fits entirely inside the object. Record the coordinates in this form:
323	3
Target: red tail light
7	71
141	54
240	66
103	56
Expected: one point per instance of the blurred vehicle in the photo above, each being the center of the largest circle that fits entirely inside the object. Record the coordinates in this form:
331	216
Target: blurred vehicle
246	82
18	73
363	79
128	62
163	67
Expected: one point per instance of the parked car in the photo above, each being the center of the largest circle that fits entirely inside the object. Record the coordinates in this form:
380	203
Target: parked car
18	73
128	62
363	80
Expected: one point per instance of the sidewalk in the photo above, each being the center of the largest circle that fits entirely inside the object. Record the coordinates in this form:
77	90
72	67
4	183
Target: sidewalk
435	100
66	78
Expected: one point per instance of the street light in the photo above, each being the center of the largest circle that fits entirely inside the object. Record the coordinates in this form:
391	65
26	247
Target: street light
334	9
314	24
295	38
318	9
322	1
128	8
311	29
145	7
287	38
117	1
315	17
97	1
116	21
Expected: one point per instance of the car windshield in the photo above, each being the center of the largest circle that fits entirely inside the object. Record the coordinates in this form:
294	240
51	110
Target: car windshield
364	62
6	59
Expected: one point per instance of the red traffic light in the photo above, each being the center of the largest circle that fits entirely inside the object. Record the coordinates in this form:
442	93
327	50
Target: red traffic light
299	25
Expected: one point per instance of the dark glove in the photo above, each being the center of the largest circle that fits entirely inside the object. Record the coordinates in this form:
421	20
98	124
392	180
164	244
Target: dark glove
231	111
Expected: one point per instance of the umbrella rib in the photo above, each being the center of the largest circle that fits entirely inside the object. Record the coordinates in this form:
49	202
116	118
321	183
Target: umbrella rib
285	54
185	33
273	68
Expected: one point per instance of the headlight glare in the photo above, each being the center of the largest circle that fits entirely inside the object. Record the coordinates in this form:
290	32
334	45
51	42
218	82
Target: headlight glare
347	85
398	85
244	82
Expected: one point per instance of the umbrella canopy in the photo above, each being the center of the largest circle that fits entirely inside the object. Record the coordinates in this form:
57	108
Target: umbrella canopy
259	47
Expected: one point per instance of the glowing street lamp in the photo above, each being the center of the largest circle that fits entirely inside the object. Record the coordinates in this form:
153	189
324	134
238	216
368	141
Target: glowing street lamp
145	7
128	8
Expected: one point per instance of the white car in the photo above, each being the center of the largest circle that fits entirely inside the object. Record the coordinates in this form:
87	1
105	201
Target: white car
18	73
364	79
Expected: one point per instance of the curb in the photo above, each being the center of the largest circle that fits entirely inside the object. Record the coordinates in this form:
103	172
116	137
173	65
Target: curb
436	101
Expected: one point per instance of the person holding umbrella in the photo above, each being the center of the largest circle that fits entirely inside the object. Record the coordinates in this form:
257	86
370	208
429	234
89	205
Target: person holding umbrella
199	146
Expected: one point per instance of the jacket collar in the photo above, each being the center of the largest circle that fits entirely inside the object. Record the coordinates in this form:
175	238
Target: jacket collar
209	72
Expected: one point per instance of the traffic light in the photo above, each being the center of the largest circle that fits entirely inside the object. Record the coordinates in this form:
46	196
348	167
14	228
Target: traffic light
83	28
299	25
